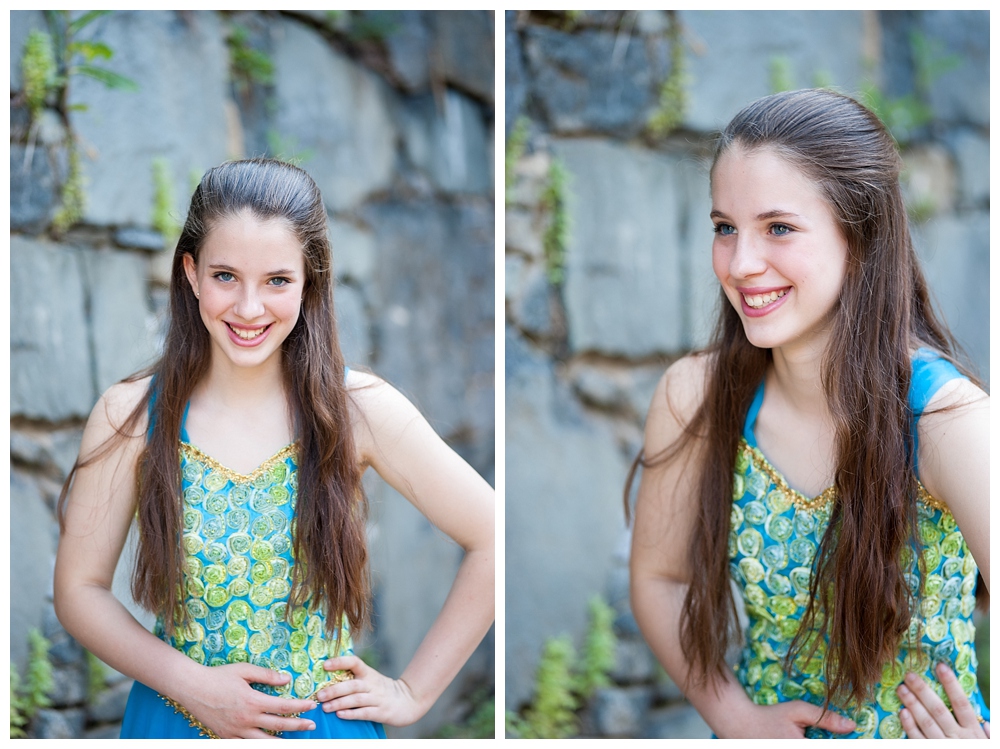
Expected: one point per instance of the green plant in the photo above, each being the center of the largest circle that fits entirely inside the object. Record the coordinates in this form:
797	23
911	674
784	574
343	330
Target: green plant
513	152
287	149
598	656
18	716
163	203
673	99
551	715
479	723
27	699
38	71
780	74
247	66
556	237
73	196
76	56
95	675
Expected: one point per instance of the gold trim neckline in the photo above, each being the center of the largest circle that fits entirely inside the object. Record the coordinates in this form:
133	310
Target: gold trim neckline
240	478
827	495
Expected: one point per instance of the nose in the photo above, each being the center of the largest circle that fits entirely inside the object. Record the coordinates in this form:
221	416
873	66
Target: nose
748	257
249	306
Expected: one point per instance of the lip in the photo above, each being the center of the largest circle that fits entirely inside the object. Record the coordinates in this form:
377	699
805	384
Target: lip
767	308
252	343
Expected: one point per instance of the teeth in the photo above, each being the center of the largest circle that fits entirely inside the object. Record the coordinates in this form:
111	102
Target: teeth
759	300
247	335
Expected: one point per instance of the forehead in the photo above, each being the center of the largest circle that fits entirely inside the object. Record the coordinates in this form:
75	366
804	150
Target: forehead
746	177
245	240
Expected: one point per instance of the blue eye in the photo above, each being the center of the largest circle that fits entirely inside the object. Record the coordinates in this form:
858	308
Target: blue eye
224	276
279	281
780	230
725	229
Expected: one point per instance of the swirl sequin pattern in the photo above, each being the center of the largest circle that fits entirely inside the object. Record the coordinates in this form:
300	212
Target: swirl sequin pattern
238	561
774	536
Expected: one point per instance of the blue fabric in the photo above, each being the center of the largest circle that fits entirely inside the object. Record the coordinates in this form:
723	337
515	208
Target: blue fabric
148	716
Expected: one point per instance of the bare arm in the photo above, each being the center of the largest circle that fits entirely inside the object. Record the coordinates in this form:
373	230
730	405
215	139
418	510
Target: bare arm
664	520
100	508
405	451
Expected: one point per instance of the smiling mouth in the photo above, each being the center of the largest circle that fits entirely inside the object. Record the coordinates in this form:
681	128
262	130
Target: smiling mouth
248	334
756	301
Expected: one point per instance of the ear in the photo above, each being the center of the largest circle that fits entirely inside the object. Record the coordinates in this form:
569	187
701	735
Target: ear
191	271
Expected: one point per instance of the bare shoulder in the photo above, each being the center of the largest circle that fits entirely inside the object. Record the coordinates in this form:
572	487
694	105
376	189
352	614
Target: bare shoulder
111	413
677	398
379	412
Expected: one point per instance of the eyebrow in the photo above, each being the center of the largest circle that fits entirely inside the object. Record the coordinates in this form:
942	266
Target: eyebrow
774	213
231	269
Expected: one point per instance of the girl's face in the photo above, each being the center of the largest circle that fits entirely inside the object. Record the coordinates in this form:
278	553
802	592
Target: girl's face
778	250
249	279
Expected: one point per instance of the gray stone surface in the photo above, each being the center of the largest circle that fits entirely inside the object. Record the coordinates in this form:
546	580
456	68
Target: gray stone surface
120	319
63	649
352	326
109	705
618	712
590	81
433	300
524	231
719	43
408	46
634	662
32	550
447	142
22	22
354	251
928	179
69	685
700	290
515	83
105	732
972	153
338	116
34	188
623	287
535	308
963	37
181	66
50	374
676	722
562	516
139	238
461	38
955	251
59	724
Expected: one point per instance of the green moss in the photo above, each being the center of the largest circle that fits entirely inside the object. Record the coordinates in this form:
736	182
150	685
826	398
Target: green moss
38	71
247	66
556	237
73	197
780	74
552	714
18	711
513	152
163	203
673	98
95	675
598	656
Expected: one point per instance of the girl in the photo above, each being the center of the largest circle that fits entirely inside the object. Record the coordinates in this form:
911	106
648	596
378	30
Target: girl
824	454
240	453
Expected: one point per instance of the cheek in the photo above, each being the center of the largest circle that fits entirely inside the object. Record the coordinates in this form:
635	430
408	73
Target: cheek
720	262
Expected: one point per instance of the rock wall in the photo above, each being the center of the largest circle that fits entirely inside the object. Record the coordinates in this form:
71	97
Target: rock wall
392	114
594	314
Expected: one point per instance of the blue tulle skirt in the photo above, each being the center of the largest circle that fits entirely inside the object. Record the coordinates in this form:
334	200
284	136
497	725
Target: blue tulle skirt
147	716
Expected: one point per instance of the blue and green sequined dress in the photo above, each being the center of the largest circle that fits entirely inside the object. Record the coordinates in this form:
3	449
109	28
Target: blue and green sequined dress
774	534
237	546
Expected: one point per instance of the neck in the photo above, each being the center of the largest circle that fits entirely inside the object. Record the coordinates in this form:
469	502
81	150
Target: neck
237	387
797	372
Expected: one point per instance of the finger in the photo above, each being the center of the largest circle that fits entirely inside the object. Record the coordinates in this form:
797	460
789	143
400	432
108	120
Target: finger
960	704
807	714
280	723
929	724
261	675
909	725
361	713
345	663
986	728
349	702
340	689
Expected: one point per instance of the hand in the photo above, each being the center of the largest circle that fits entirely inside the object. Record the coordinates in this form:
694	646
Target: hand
224	701
925	716
369	695
786	720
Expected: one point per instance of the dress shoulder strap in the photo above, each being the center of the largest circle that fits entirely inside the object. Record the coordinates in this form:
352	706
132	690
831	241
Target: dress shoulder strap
930	372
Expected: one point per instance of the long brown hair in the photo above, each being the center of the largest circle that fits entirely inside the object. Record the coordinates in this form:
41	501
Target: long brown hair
329	543
859	597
